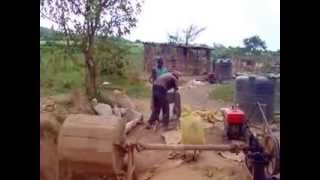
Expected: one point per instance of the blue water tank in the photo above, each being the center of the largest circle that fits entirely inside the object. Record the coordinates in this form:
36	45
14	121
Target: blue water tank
223	69
252	89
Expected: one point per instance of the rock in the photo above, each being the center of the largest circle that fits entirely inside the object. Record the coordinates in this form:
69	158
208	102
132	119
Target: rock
94	101
123	100
117	111
131	114
123	111
47	105
103	109
106	83
233	156
132	124
133	118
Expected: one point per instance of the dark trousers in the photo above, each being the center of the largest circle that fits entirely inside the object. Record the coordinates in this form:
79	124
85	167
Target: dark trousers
174	98
160	103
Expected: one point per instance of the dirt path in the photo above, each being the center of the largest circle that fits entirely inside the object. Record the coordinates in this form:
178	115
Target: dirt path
210	165
198	97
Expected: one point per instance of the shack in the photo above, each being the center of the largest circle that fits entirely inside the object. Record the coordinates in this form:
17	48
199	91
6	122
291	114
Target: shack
187	59
244	64
256	64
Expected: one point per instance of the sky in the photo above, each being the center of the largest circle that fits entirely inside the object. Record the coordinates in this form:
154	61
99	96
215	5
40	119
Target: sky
227	22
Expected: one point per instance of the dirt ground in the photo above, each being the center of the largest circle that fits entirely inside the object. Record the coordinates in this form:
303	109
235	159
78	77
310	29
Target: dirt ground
155	165
196	97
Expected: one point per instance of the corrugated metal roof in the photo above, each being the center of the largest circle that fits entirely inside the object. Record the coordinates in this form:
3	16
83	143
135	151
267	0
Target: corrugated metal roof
180	45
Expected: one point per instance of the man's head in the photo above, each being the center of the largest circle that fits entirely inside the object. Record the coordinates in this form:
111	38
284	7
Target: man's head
159	62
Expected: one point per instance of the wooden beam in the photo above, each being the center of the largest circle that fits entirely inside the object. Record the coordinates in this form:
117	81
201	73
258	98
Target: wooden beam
181	147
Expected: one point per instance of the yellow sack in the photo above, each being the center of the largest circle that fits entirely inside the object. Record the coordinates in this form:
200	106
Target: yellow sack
192	131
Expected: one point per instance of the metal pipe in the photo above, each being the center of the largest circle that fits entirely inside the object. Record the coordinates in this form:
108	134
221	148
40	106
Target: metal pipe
264	118
208	147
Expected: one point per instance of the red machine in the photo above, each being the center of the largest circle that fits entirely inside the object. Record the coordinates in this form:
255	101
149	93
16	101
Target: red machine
260	151
234	123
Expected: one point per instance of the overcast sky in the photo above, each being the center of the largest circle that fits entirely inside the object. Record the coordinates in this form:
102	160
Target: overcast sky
227	21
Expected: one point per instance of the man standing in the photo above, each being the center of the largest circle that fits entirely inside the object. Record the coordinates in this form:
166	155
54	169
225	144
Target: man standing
160	88
158	70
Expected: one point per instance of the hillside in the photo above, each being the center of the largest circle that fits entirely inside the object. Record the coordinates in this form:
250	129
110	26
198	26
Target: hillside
47	34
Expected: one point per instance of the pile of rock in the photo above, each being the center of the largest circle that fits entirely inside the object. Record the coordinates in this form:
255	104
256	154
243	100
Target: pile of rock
122	107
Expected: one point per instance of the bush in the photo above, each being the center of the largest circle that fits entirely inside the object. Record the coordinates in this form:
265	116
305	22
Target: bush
111	57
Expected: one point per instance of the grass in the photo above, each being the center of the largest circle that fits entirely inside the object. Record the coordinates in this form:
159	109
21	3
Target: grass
131	84
56	42
60	73
224	92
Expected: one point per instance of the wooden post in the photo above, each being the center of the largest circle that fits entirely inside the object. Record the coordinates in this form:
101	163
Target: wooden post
131	165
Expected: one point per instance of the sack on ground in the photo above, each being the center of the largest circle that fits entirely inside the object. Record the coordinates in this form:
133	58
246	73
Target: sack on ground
192	131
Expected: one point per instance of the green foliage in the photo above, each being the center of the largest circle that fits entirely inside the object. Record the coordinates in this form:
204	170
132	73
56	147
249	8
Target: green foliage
224	92
254	45
221	51
136	59
255	48
138	41
111	56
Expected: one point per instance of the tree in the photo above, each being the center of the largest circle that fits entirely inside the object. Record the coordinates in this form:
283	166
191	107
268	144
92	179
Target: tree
191	33
174	38
83	20
186	36
220	51
254	45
